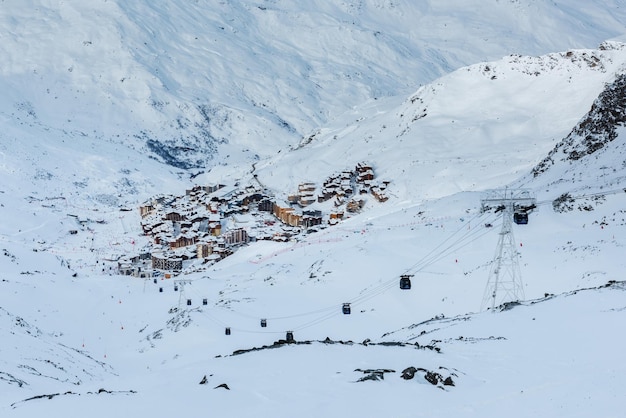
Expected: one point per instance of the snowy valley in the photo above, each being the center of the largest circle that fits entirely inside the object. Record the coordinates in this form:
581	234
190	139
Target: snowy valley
299	160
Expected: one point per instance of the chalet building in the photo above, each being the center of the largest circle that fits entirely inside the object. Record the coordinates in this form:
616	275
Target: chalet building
139	257
326	194
151	223
224	194
174	216
306	187
266	205
280	237
305	195
194	190
183	241
212	207
309	221
166	261
367	175
363	168
195	194
204	189
305	201
198	219
135	271
146	210
252	197
233	208
223	252
213	258
355	205
162	229
215	229
281	212
185	253
294	219
204	250
237	236
287	216
379	194
212	188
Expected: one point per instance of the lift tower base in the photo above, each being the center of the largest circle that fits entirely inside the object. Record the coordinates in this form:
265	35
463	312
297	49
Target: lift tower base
505	279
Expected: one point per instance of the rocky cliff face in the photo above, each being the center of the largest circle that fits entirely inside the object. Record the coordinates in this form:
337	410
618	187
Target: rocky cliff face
598	127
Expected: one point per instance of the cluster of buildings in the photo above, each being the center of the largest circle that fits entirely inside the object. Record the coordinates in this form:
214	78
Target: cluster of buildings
347	184
208	223
193	226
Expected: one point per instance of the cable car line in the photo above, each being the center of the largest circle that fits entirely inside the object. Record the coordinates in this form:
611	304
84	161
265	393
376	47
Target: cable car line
427	260
442	243
433	256
469	237
392	282
328	308
383	287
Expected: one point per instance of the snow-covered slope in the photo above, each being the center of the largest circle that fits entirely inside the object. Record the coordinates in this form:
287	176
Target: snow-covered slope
593	150
203	83
479	127
83	102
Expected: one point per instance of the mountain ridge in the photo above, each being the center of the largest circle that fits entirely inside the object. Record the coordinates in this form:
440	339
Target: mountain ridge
108	104
150	74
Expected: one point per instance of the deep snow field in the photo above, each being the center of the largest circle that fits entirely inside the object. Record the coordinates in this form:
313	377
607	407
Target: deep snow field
557	357
444	120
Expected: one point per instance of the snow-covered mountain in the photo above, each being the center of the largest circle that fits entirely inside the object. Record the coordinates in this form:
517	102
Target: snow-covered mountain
193	83
108	104
495	120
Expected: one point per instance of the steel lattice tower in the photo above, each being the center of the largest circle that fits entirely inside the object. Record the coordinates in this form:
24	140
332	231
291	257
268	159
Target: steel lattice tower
505	279
181	294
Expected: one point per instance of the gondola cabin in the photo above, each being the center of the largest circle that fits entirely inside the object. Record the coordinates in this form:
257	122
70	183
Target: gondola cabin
289	337
205	301
227	331
346	309
520	218
405	282
188	302
263	323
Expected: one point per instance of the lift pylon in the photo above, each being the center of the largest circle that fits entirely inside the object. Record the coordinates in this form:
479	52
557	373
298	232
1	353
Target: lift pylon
505	279
181	284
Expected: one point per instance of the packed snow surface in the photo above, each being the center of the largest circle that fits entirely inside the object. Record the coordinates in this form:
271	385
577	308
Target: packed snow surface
107	104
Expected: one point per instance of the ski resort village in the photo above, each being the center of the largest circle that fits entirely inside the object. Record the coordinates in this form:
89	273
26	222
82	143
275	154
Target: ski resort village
321	208
207	223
